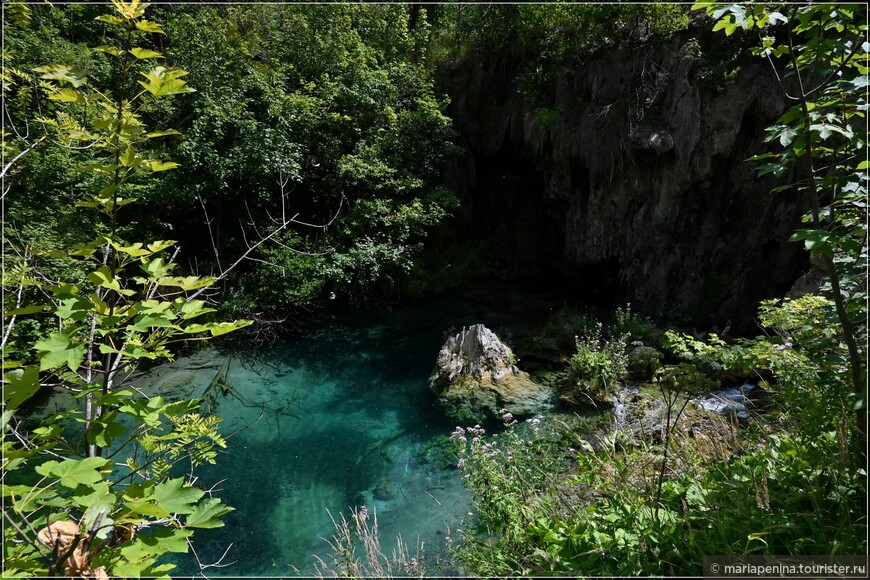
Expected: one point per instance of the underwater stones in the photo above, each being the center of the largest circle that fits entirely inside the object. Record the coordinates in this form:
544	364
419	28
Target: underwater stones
176	379
476	375
385	491
301	514
439	454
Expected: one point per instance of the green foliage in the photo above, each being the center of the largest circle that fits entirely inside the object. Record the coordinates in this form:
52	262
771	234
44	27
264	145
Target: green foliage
548	37
683	378
558	32
293	277
794	482
126	305
615	534
323	119
508	476
793	504
633	327
770	498
775	494
805	351
326	113
823	49
599	364
643	361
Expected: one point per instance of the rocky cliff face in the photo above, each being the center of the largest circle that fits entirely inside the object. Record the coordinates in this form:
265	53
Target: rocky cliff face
629	170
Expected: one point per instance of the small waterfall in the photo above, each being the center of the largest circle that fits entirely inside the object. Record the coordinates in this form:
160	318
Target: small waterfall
620	407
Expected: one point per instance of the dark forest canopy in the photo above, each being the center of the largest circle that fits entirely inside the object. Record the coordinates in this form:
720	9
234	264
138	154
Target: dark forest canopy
325	113
328	113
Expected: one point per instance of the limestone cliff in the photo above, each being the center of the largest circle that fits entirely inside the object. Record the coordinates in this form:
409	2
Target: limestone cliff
629	170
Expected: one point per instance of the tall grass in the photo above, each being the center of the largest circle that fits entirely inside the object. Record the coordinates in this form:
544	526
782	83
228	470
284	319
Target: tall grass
357	553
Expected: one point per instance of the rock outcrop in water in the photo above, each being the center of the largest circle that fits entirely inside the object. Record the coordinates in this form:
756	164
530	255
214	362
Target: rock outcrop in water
476	375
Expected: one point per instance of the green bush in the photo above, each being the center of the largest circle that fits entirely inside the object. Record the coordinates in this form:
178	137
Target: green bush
793	482
769	497
508	474
599	364
633	327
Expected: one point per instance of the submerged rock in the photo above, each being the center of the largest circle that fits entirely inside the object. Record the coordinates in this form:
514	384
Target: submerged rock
385	491
476	376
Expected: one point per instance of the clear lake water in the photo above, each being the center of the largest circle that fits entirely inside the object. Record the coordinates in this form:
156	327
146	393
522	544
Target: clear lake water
337	418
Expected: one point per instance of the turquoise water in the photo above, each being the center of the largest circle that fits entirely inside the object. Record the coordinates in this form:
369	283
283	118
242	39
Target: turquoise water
338	418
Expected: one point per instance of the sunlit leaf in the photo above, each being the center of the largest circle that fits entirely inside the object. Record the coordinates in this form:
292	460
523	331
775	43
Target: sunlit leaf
59	72
19	385
57	350
207	514
142	53
113	50
193	308
105	278
26	310
73	473
861	81
129	157
176	497
156	166
775	17
146	322
148	26
188	282
73	308
153	134
63	290
134	250
67	96
816	241
163	82
722	24
109	19
226	327
787	135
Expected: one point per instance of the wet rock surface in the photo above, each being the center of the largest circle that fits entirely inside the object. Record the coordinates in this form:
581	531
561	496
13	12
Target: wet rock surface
641	412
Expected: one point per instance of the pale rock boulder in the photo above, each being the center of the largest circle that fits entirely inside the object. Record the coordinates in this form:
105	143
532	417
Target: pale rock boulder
476	376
